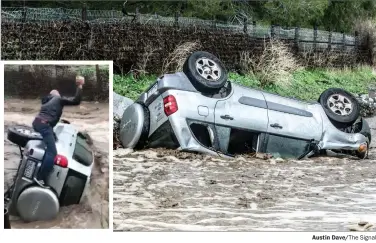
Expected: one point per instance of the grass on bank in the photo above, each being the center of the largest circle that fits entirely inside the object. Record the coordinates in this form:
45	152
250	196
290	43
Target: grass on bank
305	84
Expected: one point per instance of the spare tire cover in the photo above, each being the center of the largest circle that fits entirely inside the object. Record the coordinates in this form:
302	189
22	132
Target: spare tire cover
37	204
131	125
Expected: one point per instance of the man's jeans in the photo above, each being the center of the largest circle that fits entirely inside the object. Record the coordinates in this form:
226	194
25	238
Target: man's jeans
48	138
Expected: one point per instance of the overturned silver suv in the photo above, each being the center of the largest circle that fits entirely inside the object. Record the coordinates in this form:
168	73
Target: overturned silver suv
200	110
65	184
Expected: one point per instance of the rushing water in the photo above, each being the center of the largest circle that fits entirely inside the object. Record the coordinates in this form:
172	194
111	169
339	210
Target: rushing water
164	190
89	117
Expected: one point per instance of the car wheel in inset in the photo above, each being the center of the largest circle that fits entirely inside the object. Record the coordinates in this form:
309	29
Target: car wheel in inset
20	135
205	71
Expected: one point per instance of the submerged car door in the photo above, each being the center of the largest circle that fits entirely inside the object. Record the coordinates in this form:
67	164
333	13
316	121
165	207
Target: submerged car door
244	109
293	118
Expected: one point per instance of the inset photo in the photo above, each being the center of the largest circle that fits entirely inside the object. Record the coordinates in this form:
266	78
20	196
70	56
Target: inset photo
56	144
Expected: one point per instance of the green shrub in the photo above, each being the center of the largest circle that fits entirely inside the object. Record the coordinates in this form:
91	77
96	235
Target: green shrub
305	84
130	87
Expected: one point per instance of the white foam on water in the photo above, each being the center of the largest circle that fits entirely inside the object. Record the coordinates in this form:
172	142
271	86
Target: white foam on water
212	194
178	227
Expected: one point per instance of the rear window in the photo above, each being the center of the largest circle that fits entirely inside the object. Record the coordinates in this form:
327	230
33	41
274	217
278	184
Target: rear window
82	152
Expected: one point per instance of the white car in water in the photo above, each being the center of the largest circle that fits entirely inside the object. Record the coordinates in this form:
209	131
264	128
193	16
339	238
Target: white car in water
66	183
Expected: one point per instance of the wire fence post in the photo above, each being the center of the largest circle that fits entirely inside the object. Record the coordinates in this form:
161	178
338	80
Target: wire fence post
343	48
254	28
272	31
356	45
369	50
356	40
278	34
214	23
296	38
176	19
343	41
137	16
245	27
314	38
84	12
330	40
24	14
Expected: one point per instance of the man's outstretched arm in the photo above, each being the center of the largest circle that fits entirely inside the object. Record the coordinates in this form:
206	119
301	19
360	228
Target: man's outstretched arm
76	100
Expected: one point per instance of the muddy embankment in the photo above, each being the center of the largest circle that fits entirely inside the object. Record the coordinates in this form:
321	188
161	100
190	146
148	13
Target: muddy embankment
91	117
166	190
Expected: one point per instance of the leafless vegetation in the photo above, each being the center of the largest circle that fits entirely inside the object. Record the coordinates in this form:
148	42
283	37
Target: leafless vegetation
327	59
175	60
275	65
144	60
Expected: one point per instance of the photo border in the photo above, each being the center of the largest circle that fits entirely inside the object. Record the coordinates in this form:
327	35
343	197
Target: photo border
110	127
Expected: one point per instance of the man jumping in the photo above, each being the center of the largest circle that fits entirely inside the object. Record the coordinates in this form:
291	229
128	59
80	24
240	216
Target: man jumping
46	120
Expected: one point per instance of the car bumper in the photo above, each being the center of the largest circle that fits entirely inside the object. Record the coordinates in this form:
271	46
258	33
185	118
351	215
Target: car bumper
334	139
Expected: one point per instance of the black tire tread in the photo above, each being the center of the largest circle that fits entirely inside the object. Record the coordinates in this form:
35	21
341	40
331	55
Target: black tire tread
20	139
340	121
145	129
199	82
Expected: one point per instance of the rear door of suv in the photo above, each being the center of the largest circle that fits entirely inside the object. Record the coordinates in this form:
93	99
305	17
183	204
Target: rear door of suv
241	118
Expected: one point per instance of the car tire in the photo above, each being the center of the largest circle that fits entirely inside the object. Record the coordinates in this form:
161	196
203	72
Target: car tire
145	130
72	190
340	106
196	66
21	135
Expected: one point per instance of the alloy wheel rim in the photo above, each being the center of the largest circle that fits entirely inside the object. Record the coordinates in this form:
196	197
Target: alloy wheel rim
208	69
340	104
27	132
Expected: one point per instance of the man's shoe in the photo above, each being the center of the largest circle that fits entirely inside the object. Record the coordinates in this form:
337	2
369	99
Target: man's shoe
40	183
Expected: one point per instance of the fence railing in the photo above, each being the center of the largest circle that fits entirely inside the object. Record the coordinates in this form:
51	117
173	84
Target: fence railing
305	39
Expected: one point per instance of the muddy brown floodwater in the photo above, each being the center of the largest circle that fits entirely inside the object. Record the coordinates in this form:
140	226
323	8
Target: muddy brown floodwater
93	118
166	190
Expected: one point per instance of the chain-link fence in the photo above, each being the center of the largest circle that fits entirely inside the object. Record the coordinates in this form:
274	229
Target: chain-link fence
50	14
307	38
142	42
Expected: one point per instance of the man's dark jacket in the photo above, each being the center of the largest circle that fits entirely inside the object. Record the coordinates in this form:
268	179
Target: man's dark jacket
52	106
